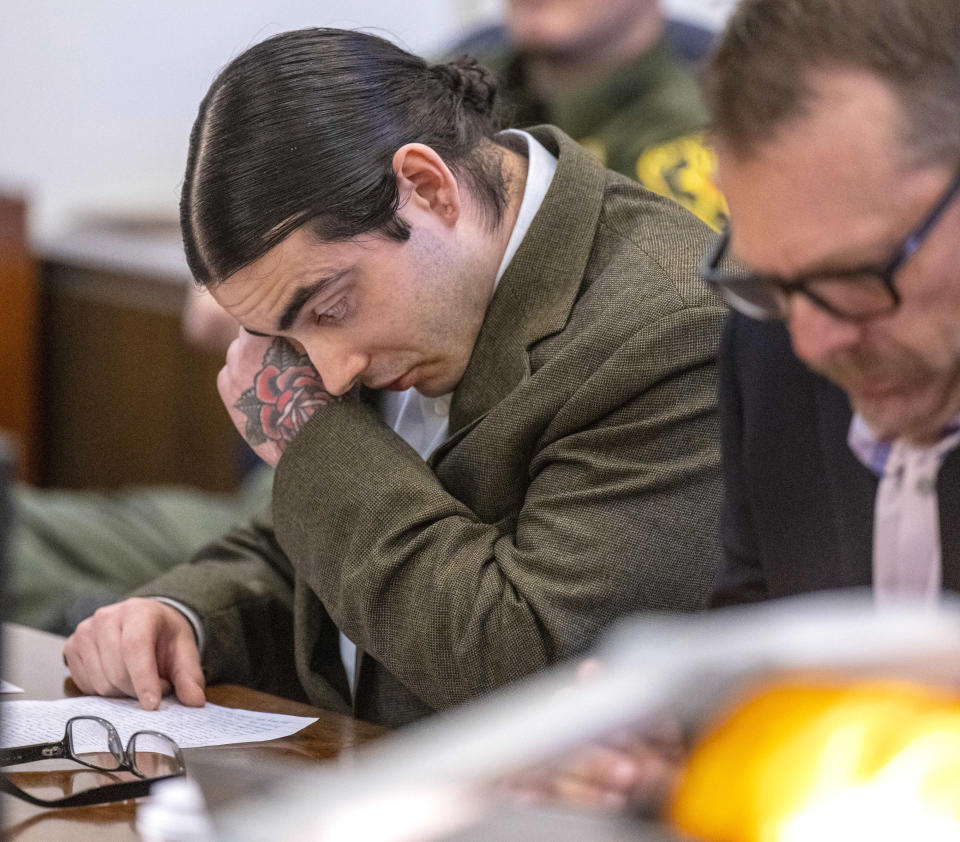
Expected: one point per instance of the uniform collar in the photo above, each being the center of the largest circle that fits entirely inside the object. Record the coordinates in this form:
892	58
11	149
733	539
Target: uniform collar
580	109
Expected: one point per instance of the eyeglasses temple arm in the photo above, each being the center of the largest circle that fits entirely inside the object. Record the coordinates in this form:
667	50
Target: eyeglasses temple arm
98	795
27	754
709	268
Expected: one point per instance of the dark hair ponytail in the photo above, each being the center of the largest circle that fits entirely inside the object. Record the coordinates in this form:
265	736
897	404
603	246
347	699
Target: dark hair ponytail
470	83
302	128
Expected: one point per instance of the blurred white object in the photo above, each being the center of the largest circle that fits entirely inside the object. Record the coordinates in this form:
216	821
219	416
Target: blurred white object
685	664
175	812
711	14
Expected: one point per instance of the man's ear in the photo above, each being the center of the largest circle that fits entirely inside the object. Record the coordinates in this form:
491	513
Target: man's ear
426	182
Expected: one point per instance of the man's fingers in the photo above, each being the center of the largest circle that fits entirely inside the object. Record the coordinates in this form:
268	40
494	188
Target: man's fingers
178	659
185	671
601	764
139	651
584	793
110	651
86	664
189	689
127	649
78	669
604	776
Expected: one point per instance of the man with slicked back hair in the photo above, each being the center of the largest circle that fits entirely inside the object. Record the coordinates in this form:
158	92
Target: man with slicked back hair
617	77
837	130
483	366
841	383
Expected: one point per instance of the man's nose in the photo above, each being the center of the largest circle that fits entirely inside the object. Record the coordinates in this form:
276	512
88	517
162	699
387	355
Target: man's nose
339	367
817	334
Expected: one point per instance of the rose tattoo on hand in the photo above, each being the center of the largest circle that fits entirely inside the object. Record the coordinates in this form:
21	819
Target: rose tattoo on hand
285	393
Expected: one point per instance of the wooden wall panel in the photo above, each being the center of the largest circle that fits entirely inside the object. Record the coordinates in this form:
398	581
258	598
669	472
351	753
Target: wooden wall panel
125	400
18	338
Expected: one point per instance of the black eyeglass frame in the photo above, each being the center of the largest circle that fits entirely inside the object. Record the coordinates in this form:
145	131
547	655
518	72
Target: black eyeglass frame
64	749
726	282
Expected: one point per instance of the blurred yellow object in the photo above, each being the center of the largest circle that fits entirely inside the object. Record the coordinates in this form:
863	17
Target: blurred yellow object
811	760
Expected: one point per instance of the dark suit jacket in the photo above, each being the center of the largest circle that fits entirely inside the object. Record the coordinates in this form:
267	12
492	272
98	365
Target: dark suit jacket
798	507
580	481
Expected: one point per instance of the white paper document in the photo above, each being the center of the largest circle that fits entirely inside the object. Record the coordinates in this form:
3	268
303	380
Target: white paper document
7	687
28	722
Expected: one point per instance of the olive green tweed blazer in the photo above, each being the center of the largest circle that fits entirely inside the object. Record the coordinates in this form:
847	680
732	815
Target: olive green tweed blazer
580	481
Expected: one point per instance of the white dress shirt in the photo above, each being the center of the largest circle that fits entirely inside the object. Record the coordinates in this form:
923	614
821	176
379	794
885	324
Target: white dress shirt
907	556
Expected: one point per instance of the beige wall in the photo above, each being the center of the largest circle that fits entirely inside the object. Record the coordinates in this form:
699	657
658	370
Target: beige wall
98	96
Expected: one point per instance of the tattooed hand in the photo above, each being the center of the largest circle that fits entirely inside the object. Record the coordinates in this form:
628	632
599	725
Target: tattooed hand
270	391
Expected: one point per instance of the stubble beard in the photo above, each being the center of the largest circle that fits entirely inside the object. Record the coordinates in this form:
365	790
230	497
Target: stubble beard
898	397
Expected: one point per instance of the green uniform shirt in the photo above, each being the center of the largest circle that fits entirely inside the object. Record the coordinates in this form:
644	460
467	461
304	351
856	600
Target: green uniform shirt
644	120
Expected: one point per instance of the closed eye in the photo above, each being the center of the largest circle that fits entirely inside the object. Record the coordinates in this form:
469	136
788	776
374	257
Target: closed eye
336	312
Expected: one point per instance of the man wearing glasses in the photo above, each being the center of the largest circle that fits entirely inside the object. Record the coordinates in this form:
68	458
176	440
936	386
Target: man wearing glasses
837	128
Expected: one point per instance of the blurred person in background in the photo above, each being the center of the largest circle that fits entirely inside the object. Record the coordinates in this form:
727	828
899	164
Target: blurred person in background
615	76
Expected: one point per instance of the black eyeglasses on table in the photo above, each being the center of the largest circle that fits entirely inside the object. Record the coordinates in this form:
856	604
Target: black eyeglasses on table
93	742
856	294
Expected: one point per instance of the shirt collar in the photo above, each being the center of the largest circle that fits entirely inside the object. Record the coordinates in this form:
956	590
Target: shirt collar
541	166
874	453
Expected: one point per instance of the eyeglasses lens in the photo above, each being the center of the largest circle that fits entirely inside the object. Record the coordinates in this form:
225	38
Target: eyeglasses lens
154	755
756	299
858	296
850	296
95	744
91	743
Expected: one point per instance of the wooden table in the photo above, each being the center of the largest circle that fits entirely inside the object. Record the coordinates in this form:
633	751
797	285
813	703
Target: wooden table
32	660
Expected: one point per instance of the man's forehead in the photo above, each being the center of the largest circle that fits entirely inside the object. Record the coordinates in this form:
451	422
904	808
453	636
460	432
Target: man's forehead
828	186
263	286
297	257
790	222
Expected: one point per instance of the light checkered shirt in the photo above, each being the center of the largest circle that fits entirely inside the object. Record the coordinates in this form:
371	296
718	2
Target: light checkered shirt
907	560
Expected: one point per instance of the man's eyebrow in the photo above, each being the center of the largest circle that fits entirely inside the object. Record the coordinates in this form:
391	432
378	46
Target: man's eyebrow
850	260
301	297
845	261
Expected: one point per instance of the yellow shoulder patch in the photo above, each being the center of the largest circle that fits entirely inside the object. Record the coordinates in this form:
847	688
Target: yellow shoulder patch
684	169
